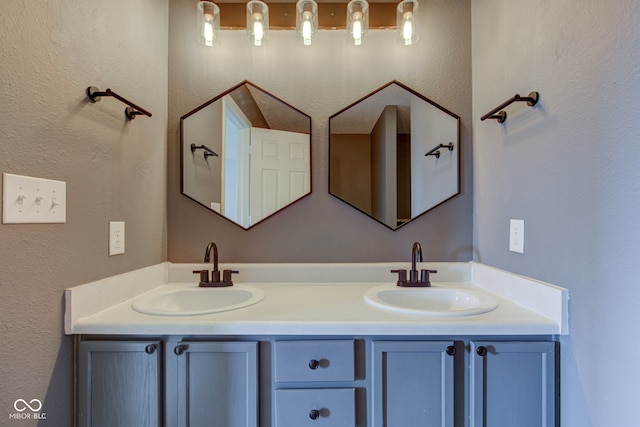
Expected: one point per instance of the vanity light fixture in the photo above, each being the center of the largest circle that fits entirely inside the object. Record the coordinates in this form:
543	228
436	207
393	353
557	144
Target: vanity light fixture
405	19
306	21
357	21
257	22
208	23
306	17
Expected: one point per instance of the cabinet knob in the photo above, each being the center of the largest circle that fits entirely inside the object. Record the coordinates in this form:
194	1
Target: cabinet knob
482	351
151	348
179	349
451	350
314	414
313	364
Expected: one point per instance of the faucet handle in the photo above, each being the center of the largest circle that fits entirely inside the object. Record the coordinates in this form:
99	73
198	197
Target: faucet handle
402	277
204	275
424	276
226	277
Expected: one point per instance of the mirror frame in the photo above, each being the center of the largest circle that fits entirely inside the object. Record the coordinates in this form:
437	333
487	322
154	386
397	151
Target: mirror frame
424	98
219	97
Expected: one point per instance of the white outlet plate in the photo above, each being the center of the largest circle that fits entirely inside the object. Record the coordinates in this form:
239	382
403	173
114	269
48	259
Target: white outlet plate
28	200
516	236
116	238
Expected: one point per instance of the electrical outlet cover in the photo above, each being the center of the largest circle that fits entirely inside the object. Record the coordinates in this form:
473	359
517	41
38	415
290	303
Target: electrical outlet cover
516	236
116	238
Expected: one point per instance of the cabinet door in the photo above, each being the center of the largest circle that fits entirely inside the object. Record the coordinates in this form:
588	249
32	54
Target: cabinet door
513	384
217	384
119	383
412	383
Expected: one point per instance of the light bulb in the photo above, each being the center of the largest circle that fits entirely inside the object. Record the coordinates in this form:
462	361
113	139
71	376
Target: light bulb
258	29
207	32
306	28
357	28
407	27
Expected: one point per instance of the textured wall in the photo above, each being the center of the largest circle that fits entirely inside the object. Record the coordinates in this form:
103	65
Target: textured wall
114	170
320	80
569	168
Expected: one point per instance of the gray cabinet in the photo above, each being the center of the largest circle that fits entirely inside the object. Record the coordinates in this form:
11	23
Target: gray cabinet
513	384
217	384
119	383
315	381
413	383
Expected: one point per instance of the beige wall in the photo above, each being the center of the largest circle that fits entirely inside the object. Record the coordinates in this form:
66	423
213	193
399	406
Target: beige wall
351	169
114	170
118	170
569	168
321	80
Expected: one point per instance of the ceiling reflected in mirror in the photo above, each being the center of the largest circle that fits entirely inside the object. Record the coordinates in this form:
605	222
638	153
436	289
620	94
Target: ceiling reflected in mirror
394	155
245	154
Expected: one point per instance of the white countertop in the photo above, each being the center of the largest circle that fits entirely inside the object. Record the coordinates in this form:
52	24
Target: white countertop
318	299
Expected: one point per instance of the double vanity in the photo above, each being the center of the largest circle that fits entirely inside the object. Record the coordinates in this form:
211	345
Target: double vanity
317	345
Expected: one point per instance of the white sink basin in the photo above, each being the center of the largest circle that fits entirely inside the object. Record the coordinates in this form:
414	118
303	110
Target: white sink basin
191	300
433	301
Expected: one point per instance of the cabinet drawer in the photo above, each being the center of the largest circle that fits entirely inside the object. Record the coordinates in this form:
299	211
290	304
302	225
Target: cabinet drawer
315	407
318	360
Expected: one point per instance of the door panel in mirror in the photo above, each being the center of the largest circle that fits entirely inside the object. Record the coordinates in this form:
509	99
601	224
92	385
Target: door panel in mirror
245	154
394	155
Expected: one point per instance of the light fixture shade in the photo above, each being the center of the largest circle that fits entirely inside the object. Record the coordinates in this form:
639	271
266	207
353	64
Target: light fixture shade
208	23
406	22
257	22
357	21
306	21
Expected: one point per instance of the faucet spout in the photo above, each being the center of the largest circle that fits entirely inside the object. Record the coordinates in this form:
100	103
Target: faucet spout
416	255
207	255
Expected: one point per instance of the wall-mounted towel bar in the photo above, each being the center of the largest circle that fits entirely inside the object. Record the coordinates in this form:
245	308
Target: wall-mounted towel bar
94	94
436	152
501	116
207	151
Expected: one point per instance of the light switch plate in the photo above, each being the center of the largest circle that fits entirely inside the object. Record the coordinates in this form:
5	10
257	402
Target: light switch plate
516	236
29	200
116	238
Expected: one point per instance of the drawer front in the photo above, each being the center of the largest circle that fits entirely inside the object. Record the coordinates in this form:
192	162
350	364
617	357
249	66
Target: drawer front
318	360
315	407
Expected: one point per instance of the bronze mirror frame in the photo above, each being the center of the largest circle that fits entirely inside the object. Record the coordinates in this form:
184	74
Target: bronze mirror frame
266	112
359	170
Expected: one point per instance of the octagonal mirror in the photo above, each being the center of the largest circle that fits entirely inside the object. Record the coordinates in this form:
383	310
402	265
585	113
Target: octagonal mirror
394	155
245	154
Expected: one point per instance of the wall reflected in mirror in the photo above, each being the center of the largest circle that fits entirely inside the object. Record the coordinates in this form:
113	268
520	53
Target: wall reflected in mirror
245	154
394	155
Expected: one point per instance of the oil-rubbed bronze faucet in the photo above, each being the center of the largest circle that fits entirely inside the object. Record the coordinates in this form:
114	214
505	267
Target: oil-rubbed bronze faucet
214	281
414	281
215	273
